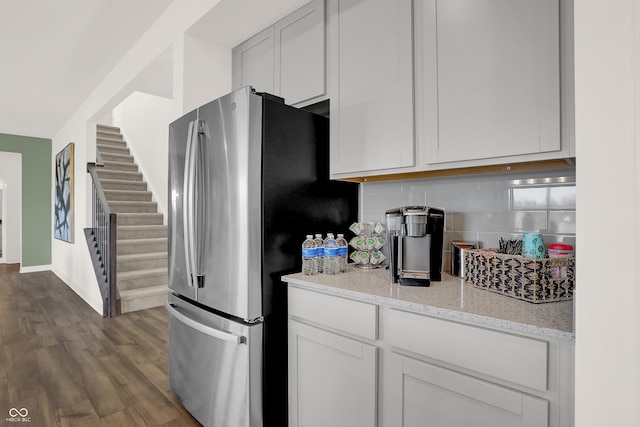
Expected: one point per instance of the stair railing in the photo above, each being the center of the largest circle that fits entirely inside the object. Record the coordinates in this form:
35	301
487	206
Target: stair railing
104	238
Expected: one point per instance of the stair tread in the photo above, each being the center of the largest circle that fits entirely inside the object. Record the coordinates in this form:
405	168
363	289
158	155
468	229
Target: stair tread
127	191
146	226
116	172
139	214
117	181
127	158
116	163
148	272
130	202
143	240
142	256
103	126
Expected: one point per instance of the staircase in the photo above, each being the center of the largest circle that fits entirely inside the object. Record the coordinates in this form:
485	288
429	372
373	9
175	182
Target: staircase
141	253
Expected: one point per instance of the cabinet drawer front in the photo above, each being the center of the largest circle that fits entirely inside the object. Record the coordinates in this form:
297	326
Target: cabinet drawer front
508	357
353	317
447	398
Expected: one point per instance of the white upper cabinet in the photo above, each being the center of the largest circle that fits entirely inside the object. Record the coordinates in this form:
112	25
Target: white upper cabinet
300	54
488	78
253	62
286	59
371	78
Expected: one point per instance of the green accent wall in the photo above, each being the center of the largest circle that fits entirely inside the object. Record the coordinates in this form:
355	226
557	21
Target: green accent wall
36	196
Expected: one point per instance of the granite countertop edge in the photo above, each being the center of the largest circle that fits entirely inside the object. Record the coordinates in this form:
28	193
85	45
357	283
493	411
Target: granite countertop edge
434	310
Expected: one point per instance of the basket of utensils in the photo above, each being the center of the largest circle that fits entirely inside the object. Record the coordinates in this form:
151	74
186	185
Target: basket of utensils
536	280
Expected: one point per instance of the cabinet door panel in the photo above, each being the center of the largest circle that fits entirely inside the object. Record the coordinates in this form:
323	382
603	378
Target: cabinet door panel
300	54
332	379
443	398
253	62
497	73
371	85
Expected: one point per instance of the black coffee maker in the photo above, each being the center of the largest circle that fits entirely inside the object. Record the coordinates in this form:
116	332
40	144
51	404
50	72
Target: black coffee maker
415	235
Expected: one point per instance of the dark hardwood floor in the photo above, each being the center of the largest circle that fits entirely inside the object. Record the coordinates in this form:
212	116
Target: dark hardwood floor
67	366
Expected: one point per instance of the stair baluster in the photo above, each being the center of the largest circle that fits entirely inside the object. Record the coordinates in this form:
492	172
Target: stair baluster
104	235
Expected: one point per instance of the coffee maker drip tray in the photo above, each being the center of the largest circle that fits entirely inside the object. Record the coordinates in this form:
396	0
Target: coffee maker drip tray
417	278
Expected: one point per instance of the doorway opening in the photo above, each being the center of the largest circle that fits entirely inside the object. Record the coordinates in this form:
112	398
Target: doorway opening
11	207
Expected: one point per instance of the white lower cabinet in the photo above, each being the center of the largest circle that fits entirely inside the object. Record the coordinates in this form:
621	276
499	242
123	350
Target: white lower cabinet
357	363
424	394
332	379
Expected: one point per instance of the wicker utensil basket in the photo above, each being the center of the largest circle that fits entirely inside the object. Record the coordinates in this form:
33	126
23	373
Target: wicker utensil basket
532	280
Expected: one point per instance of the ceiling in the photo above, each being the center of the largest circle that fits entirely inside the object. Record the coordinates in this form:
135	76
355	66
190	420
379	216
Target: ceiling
49	61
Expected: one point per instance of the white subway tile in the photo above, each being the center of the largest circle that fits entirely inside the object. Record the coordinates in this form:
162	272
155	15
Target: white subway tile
562	222
563	197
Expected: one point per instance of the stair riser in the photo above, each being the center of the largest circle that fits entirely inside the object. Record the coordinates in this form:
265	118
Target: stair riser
132	196
124	185
140	220
143	282
109	135
134	304
107	128
108	142
140	233
110	157
113	150
142	264
119	175
117	166
141	248
147	207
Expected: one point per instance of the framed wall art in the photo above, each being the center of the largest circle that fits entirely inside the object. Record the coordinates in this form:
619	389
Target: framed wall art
63	213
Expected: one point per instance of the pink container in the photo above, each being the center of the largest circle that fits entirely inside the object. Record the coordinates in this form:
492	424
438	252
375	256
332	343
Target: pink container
559	250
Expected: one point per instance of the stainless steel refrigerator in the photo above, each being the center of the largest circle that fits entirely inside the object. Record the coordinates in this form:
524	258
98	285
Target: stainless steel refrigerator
248	178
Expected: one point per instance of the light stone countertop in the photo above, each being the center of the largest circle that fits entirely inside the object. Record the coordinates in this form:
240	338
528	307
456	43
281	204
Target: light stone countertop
450	298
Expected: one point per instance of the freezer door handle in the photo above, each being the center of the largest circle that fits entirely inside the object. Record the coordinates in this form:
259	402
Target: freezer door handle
215	333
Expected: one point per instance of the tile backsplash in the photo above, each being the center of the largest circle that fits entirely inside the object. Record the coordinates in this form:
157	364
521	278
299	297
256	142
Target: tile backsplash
484	208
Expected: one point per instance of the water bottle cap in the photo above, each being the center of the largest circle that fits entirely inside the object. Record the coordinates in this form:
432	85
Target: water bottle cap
309	236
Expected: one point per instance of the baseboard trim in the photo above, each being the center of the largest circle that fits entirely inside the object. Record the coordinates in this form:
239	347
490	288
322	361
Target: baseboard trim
35	268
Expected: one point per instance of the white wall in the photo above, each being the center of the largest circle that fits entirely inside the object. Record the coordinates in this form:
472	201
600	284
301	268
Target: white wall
144	121
71	262
607	67
207	72
11	167
201	73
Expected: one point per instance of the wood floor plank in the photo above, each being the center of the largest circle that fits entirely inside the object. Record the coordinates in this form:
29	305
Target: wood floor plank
68	366
80	414
128	417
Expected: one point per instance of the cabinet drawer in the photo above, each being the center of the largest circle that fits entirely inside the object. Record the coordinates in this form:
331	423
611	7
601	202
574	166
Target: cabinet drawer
353	317
513	358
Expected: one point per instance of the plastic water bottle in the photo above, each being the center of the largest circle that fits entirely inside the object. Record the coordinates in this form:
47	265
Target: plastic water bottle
343	252
331	257
309	264
319	252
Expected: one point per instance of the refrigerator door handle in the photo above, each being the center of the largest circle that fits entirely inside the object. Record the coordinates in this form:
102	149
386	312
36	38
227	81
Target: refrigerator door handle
194	205
215	333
